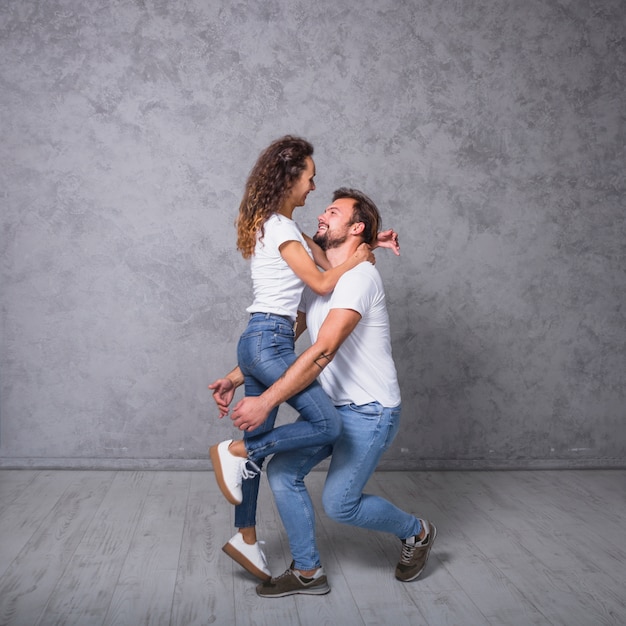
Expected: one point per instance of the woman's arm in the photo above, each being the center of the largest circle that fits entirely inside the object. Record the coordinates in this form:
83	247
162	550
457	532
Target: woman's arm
319	256
224	389
388	239
305	269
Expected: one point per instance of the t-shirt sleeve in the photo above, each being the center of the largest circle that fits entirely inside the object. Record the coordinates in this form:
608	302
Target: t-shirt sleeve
353	292
285	230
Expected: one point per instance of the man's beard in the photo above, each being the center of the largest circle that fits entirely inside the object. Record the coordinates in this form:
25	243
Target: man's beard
326	240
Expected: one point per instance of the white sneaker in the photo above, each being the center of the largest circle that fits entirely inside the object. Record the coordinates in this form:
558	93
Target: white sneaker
250	557
230	470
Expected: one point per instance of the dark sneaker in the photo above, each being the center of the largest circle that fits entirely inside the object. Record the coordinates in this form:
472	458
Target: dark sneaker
415	554
292	582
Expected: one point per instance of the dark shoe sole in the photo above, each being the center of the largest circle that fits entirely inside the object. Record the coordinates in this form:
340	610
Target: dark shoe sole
322	588
306	591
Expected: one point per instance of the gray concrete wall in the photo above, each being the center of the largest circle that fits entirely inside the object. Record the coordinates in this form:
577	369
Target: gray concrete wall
490	133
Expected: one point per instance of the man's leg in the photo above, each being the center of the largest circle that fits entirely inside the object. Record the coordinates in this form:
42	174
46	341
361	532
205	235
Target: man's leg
286	472
368	431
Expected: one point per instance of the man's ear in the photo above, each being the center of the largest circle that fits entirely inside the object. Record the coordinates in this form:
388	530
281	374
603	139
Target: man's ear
357	228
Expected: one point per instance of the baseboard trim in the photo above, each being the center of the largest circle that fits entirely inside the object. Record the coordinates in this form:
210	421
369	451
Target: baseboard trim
204	465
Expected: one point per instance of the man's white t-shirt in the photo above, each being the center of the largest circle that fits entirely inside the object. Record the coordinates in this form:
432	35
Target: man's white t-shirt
363	370
276	288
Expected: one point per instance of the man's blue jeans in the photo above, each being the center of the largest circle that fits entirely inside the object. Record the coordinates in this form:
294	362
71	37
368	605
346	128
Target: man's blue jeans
265	351
368	430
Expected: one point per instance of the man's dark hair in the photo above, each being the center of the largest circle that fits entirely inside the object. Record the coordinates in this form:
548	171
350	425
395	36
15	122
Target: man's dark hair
364	211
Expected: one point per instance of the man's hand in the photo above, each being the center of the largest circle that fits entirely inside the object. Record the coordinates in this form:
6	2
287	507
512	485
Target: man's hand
223	393
388	239
250	412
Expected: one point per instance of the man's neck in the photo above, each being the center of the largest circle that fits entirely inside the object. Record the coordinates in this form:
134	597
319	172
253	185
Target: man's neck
340	254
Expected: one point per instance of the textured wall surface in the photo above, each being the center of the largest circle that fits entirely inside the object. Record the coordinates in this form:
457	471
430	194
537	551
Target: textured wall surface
491	134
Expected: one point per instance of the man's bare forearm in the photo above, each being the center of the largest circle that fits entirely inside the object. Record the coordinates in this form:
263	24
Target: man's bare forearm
300	375
339	323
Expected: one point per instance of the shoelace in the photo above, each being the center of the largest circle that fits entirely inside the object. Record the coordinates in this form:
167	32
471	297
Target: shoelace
286	574
407	552
250	473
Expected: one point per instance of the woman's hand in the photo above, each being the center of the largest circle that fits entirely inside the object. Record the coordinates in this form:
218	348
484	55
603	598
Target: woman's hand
364	253
223	393
388	239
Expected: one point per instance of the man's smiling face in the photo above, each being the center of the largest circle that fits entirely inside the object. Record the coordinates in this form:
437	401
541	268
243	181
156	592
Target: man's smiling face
333	225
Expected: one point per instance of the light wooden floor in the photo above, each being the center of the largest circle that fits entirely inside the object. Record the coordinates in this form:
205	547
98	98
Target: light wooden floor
115	548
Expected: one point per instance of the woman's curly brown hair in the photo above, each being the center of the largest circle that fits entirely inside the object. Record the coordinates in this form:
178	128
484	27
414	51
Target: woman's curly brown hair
277	169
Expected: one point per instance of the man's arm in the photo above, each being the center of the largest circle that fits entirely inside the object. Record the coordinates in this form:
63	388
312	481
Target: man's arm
224	388
251	412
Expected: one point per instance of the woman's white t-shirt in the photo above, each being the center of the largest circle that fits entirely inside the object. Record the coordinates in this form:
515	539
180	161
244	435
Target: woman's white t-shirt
276	288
